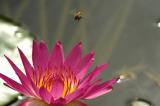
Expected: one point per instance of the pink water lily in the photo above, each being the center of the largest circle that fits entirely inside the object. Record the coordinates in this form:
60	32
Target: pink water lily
56	79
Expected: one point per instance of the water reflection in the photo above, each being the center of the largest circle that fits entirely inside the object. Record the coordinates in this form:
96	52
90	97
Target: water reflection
35	102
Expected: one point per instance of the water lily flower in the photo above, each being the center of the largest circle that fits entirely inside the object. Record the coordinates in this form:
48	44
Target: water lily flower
56	79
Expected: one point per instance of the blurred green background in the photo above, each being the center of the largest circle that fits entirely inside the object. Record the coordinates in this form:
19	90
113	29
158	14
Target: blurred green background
124	33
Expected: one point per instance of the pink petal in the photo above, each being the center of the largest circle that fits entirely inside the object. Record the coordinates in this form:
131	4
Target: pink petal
35	56
28	68
40	55
25	82
98	92
90	86
57	56
74	55
59	102
14	85
57	89
36	89
45	95
109	83
95	73
75	95
100	89
84	65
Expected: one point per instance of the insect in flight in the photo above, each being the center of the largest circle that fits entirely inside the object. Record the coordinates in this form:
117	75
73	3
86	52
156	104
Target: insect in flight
78	15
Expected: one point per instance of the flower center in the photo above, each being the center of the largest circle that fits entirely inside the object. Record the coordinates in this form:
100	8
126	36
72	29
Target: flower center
47	78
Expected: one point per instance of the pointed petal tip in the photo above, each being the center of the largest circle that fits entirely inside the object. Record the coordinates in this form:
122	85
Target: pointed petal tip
19	49
38	42
5	56
103	66
80	44
118	79
58	43
20	52
34	41
92	53
57	55
42	42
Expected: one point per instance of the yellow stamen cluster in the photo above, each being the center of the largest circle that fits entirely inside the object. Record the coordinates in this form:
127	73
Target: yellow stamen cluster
47	78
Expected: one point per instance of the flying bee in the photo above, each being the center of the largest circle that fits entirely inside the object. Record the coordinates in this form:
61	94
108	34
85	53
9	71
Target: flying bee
78	15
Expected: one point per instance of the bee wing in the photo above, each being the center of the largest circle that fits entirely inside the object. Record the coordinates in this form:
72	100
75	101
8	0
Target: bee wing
85	14
71	12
